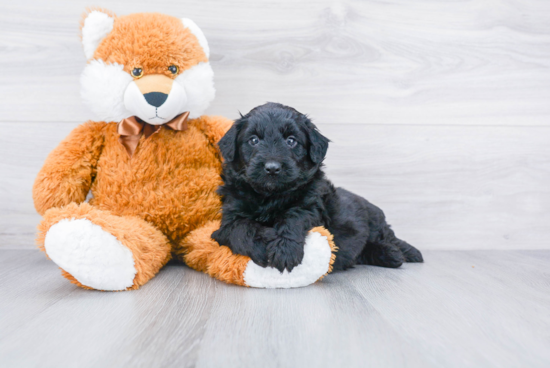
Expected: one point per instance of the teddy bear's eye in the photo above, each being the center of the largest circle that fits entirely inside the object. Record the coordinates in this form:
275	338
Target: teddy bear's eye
137	72
173	69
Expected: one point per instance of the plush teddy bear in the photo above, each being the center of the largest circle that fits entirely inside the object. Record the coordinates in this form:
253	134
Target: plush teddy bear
151	163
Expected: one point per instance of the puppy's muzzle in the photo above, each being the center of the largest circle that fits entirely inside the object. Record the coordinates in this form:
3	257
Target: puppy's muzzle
272	168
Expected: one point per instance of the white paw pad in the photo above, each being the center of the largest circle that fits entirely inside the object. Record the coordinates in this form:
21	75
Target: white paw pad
316	263
90	254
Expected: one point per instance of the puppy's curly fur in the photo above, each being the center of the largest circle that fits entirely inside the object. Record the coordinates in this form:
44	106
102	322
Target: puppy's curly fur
274	191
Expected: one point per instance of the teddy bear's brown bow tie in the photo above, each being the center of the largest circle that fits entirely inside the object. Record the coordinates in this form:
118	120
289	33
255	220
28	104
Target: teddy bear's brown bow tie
131	129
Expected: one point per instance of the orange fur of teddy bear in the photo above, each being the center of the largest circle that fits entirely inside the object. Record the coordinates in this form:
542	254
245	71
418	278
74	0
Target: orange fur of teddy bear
153	218
161	200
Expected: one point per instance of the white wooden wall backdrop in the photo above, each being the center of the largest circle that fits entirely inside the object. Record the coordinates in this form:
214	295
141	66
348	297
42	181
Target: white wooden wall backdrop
439	110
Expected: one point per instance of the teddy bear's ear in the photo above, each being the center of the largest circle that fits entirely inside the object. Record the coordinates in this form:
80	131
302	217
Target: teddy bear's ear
95	25
194	28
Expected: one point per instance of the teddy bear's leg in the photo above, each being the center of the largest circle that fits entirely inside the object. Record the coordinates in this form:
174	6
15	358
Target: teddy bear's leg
201	252
98	250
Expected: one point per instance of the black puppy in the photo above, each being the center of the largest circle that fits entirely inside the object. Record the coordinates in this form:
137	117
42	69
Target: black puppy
274	192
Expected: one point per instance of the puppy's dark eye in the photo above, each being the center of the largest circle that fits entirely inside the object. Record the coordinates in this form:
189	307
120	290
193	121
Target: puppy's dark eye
254	141
291	142
137	72
173	69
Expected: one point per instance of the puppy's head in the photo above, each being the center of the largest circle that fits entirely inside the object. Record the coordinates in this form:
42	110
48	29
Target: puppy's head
274	148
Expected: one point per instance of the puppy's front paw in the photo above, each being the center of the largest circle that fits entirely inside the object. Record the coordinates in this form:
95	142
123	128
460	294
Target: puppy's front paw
284	253
268	235
258	253
255	248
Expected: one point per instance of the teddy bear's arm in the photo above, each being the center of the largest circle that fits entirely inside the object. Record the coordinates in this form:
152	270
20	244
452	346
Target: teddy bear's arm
214	127
69	169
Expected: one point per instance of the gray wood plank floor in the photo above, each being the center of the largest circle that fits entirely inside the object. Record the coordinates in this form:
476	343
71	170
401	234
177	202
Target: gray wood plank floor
459	309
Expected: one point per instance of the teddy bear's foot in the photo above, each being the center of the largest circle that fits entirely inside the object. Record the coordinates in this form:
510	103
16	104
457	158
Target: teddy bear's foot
203	253
318	258
98	250
93	256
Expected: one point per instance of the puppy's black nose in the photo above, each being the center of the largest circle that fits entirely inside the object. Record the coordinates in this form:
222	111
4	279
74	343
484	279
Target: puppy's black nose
272	167
155	98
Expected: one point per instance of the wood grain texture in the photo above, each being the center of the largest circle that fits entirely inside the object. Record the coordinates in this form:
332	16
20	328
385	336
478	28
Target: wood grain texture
460	308
441	187
23	148
406	62
438	109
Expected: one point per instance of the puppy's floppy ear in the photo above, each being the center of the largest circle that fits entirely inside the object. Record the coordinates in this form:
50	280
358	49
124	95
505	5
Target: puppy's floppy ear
318	143
228	143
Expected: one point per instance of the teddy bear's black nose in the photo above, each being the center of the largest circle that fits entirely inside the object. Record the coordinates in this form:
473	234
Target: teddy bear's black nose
155	98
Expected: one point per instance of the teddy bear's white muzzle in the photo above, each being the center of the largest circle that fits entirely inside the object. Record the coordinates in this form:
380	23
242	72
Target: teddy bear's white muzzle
153	109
